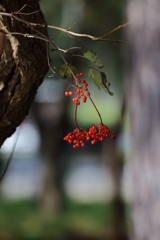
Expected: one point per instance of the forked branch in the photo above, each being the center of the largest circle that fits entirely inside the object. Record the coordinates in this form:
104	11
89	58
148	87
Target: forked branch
67	31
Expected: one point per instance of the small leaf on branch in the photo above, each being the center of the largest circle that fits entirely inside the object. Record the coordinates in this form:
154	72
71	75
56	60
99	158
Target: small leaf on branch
105	84
93	58
65	72
96	79
100	81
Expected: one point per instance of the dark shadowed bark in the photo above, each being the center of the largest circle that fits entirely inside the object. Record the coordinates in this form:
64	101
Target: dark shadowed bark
144	97
23	64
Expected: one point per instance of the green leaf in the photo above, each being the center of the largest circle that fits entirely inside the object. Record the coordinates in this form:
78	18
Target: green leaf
96	79
93	58
105	84
100	81
65	72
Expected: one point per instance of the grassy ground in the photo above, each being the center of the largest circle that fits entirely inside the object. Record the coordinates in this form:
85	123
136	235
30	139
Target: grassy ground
23	220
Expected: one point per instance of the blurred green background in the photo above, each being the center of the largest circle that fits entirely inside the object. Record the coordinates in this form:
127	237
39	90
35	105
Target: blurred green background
50	190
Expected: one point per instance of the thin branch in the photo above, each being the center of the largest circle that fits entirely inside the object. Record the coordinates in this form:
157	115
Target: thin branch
101	38
10	156
27	35
48	60
25	5
21	13
41	36
96	109
75	116
73	23
87	35
112	31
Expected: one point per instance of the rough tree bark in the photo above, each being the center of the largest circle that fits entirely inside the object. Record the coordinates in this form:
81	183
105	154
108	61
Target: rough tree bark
144	103
23	64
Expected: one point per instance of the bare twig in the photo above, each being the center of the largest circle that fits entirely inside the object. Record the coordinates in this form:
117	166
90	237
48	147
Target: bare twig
101	38
41	36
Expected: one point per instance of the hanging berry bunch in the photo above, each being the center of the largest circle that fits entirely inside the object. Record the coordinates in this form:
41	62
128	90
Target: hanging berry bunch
96	133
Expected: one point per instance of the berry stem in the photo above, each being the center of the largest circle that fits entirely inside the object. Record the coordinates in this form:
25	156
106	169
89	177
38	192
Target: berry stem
75	116
96	109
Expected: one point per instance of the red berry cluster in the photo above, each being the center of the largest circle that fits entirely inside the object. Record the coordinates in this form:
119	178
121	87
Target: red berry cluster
76	137
81	90
99	133
95	134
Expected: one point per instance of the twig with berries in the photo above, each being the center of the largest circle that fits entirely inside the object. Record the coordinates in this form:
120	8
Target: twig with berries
96	133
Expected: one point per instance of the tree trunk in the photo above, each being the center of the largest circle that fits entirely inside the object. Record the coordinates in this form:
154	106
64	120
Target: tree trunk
144	104
23	63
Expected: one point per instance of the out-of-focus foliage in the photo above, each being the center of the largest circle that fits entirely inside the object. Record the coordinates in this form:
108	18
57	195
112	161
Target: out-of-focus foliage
52	11
102	17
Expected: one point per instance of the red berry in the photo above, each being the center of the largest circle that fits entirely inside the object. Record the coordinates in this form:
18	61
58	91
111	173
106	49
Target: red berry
77	91
101	139
70	93
66	94
83	136
93	142
78	145
113	136
81	74
77	103
84	99
82	144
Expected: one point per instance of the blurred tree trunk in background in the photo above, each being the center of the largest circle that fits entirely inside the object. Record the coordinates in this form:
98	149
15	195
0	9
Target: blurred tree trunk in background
144	104
52	121
114	161
52	137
